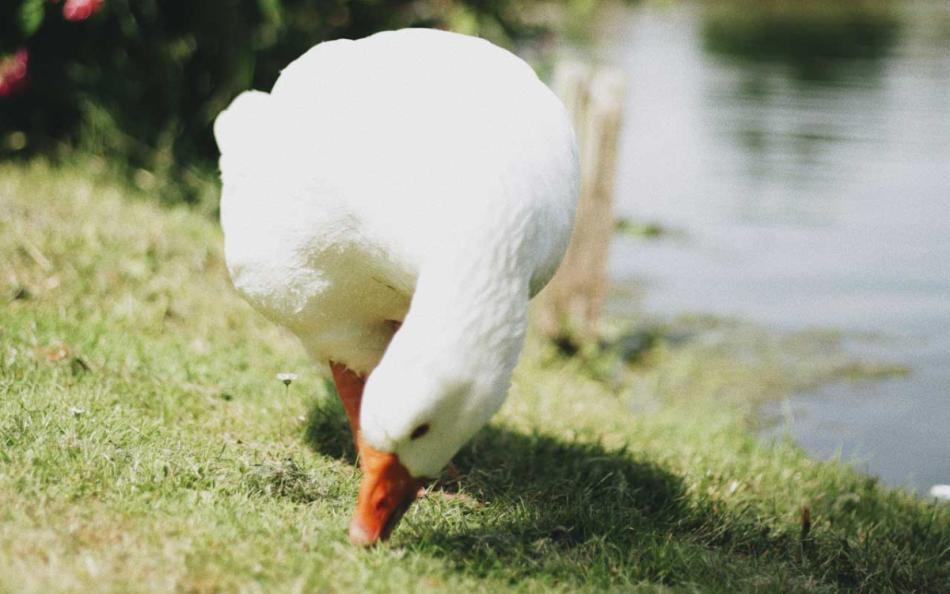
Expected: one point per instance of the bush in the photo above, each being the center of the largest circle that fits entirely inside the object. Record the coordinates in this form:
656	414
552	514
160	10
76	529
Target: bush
140	81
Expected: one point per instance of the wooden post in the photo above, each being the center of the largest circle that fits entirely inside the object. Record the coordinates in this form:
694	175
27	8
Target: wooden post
571	304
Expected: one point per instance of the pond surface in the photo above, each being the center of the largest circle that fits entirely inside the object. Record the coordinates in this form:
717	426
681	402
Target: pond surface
804	161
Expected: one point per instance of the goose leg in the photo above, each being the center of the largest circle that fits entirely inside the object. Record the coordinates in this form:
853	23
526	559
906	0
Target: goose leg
387	489
349	385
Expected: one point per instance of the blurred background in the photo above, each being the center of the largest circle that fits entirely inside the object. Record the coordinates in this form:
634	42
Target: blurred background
786	163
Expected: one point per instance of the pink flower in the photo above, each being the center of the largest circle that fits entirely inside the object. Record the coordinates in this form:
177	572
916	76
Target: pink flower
13	70
80	10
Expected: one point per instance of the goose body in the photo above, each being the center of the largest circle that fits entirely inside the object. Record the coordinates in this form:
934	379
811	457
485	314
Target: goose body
416	180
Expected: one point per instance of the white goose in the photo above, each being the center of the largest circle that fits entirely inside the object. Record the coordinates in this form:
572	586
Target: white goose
415	180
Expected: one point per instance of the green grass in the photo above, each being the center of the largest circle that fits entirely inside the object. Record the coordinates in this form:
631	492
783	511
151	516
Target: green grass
146	446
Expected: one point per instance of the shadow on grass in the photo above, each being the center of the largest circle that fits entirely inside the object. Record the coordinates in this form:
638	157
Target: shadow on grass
570	510
536	505
579	513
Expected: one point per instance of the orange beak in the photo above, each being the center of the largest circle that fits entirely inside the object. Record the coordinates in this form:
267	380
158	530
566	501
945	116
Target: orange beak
386	493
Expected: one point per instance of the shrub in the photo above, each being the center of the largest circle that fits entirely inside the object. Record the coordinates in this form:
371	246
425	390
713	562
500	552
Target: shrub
139	82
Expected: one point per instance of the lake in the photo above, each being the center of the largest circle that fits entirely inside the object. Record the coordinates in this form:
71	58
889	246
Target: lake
803	160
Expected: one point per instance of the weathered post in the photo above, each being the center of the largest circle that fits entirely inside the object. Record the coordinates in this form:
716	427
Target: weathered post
571	305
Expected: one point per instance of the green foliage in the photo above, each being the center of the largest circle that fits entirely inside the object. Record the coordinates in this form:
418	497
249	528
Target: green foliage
147	446
31	16
140	81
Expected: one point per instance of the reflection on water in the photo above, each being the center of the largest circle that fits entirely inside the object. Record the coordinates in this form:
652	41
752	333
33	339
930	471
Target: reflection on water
806	156
810	40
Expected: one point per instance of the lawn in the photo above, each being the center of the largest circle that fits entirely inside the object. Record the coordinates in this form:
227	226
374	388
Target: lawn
147	446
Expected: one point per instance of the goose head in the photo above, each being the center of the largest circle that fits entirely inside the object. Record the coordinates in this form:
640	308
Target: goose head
436	386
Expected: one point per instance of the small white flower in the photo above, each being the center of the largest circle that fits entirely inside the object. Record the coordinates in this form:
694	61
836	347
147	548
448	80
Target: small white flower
286	377
76	411
733	485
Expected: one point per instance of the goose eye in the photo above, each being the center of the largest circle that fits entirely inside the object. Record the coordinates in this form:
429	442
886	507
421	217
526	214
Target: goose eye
419	431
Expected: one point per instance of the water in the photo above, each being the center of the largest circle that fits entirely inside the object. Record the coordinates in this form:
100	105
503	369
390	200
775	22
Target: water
807	165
